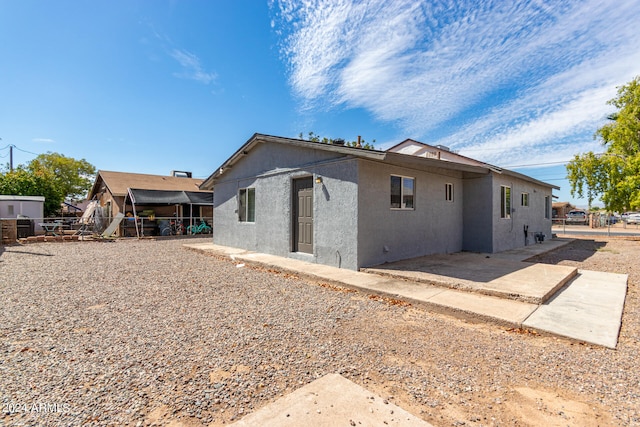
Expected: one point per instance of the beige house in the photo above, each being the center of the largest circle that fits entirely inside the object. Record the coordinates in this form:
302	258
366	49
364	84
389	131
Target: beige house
561	209
158	196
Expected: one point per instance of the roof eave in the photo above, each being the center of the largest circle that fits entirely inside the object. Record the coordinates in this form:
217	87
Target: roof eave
528	178
258	138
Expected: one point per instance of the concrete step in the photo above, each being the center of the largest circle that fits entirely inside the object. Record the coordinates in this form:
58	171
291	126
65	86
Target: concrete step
503	278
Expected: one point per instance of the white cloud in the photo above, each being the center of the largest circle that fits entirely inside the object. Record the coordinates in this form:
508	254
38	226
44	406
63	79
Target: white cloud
498	80
192	68
43	140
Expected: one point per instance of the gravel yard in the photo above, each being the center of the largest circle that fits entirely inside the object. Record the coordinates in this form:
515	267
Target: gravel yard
148	333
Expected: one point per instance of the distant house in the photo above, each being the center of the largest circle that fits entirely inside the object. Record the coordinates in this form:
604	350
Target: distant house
561	209
351	207
176	195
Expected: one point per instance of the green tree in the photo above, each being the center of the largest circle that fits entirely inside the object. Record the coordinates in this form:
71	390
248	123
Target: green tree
72	177
614	176
22	182
52	175
323	140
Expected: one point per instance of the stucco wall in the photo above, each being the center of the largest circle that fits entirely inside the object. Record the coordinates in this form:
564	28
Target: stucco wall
509	232
354	225
336	214
385	234
270	169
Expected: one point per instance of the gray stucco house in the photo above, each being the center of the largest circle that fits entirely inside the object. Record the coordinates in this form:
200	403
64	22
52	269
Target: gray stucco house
352	207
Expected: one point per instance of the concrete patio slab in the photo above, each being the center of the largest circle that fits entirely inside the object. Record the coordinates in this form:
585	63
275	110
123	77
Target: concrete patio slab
331	401
502	277
526	252
588	309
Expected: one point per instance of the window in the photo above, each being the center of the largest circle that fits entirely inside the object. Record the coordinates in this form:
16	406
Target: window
448	192
247	205
525	199
547	207
505	201
10	209
402	192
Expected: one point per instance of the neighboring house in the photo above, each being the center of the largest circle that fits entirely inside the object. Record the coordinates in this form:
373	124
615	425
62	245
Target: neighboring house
352	207
561	209
166	196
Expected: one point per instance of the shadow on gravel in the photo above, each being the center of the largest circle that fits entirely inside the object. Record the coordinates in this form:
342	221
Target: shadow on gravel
2	249
578	251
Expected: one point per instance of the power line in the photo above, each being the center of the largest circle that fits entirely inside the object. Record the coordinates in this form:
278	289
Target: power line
549	163
10	154
25	151
539	164
18	148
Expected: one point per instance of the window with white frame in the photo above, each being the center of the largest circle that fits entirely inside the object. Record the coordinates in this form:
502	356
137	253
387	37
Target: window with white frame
402	192
448	192
547	207
524	199
247	205
505	201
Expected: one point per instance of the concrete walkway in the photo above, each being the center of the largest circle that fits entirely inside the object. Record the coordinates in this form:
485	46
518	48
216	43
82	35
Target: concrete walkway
331	401
587	306
590	309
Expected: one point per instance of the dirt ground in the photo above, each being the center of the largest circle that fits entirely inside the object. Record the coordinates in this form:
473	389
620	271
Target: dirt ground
559	383
145	333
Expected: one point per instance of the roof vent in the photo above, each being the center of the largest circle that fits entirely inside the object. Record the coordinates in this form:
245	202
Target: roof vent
338	141
181	174
443	148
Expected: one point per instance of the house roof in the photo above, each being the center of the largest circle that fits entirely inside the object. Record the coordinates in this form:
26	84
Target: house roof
376	155
119	182
22	198
561	204
420	149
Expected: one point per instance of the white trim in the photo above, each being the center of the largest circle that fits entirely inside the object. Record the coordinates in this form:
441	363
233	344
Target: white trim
448	195
503	213
402	178
246	189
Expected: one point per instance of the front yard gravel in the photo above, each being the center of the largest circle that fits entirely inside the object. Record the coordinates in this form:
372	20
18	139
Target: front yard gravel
145	332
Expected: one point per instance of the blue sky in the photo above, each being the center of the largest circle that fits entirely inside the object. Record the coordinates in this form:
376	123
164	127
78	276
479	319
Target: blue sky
154	86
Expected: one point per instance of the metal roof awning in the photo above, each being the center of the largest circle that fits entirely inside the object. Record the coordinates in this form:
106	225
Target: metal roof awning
167	197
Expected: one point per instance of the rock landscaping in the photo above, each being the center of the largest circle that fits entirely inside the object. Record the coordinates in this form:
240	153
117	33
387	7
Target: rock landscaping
144	332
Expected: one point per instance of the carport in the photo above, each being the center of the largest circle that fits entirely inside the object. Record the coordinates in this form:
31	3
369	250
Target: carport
189	201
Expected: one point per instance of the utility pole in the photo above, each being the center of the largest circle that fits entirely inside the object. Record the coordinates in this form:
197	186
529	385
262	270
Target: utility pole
11	158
